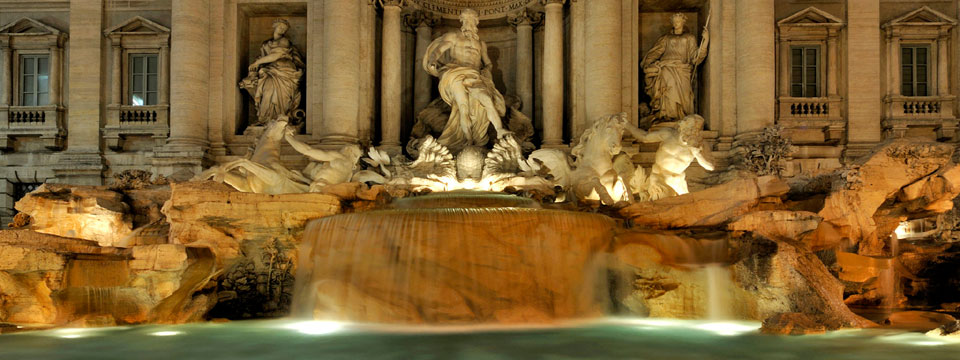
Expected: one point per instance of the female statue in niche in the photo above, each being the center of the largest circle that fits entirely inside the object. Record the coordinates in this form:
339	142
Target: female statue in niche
669	68
274	78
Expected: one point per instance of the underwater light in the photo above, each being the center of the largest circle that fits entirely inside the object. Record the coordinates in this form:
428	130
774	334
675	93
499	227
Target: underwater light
166	333
726	328
316	327
72	333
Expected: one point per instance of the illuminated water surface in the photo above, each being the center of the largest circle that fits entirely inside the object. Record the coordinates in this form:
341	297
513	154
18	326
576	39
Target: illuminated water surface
608	339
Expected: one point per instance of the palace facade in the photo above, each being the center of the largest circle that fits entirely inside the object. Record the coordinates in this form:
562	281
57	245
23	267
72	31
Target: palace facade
90	88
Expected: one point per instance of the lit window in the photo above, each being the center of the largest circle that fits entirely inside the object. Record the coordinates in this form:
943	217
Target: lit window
914	67
805	71
143	79
34	80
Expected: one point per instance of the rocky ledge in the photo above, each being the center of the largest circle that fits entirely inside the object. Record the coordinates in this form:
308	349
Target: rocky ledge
794	253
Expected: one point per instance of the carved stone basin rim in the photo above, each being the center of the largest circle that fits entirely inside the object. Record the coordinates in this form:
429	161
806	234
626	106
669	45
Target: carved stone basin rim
488	9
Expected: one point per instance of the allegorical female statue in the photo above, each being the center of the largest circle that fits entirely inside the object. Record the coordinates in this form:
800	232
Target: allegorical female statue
274	78
669	69
461	62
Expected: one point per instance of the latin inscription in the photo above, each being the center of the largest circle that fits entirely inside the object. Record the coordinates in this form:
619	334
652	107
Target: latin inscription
453	10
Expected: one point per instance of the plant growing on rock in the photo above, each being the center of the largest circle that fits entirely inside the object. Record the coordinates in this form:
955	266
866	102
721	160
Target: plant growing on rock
136	179
767	155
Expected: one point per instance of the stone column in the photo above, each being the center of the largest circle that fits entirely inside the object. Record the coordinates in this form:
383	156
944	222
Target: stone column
893	62
82	163
391	80
189	74
832	64
553	73
423	22
56	63
182	156
943	65
116	85
577	57
341	69
863	75
756	85
524	22
164	85
603	59
6	87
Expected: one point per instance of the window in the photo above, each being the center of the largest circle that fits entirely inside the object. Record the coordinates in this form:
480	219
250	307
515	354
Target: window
805	71
22	189
915	70
34	80
143	79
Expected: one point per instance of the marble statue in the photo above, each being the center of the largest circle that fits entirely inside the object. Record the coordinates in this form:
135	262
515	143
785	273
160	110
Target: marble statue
678	149
327	167
261	171
669	68
274	78
461	62
595	174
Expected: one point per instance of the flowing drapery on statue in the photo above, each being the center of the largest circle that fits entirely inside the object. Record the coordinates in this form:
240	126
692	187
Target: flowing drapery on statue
274	78
669	68
461	62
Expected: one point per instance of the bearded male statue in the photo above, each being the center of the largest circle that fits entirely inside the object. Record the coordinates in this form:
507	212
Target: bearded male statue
461	62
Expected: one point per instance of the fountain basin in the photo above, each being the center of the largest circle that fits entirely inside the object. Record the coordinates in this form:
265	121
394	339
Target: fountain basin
475	264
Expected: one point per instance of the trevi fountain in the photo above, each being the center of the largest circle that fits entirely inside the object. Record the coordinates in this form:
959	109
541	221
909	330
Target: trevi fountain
502	226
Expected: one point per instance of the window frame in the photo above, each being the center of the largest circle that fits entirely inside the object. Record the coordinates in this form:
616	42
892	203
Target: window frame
914	64
17	75
127	70
818	70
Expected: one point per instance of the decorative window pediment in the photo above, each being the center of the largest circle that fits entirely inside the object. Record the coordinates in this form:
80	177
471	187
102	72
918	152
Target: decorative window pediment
138	25
138	32
28	26
811	23
924	16
30	33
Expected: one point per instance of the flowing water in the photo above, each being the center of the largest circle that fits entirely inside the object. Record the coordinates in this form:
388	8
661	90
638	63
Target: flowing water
602	339
718	291
93	287
457	257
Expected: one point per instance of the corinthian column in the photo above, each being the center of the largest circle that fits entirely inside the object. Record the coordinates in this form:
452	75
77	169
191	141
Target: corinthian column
603	58
525	20
756	85
553	73
341	69
423	22
189	74
391	76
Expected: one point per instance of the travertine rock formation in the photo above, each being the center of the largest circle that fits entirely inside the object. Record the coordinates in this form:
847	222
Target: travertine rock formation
48	280
214	215
85	212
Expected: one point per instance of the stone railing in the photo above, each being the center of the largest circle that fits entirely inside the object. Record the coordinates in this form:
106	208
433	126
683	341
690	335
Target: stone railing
902	113
128	120
919	106
45	122
137	116
819	107
818	116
